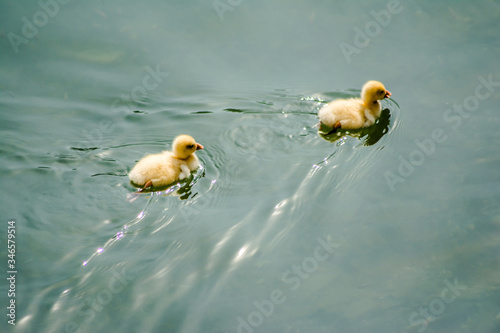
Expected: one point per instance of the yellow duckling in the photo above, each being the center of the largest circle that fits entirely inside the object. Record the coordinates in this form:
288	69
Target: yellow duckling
355	113
169	166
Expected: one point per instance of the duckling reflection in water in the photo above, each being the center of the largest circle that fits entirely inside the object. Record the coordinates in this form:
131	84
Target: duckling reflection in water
371	135
165	168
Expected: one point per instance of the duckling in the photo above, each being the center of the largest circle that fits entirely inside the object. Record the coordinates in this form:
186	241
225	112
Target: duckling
169	166
355	113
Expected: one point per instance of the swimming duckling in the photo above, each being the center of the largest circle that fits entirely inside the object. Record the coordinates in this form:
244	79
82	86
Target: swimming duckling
169	166
355	113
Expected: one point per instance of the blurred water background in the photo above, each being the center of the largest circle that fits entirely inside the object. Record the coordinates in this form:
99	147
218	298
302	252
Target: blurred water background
391	229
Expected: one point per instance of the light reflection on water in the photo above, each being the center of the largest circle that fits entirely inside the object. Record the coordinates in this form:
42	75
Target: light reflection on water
198	257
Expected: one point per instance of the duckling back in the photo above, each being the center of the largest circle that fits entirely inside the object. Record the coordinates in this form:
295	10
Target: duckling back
348	112
157	168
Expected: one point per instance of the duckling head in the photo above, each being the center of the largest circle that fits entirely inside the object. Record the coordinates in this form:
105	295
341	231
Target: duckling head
373	91
184	146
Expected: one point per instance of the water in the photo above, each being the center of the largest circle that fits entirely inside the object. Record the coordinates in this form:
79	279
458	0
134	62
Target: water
391	229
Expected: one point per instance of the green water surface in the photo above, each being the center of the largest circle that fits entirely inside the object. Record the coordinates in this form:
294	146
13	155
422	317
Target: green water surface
391	229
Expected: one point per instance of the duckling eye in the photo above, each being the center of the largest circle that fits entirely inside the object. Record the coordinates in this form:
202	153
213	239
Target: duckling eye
190	146
381	92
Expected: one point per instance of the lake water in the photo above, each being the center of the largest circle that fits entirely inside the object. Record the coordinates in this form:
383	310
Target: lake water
392	229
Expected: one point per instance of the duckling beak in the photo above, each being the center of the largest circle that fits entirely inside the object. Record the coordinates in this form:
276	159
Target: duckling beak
387	94
199	147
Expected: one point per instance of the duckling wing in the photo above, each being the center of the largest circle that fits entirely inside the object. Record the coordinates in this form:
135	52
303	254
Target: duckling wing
349	112
185	172
193	162
157	168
